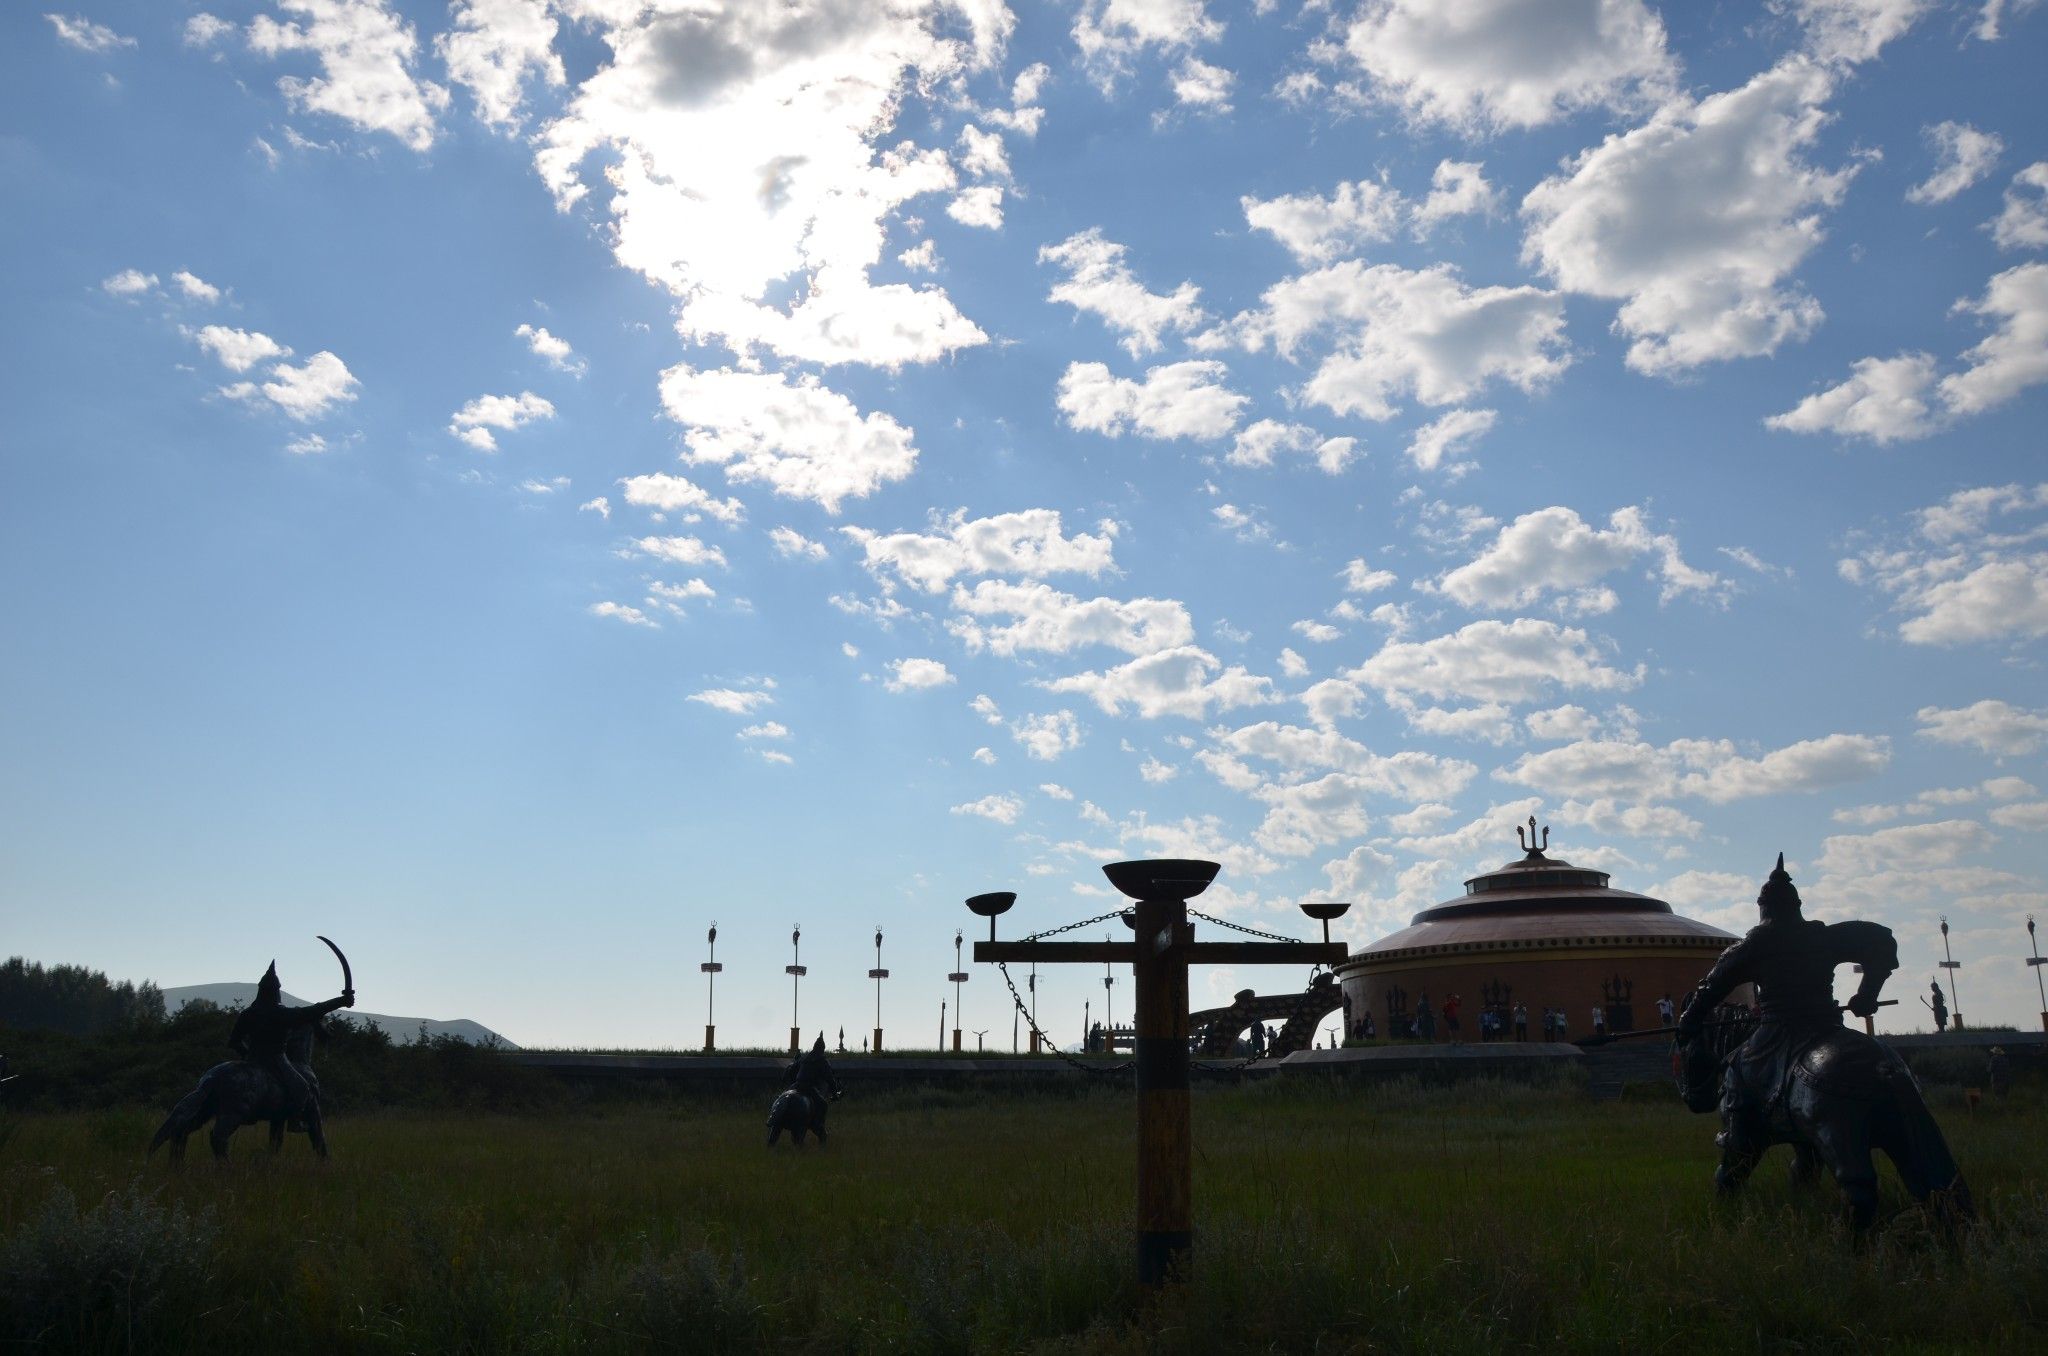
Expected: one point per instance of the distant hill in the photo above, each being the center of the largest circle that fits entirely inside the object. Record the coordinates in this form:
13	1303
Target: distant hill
398	1028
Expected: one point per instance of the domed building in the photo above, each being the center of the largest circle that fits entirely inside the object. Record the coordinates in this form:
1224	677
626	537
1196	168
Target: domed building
1538	932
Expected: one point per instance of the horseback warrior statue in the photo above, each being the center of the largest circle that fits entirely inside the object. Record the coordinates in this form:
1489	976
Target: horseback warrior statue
272	1080
264	1027
1800	1076
801	1108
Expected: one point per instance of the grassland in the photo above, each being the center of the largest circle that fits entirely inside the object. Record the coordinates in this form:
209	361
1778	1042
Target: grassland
1474	1218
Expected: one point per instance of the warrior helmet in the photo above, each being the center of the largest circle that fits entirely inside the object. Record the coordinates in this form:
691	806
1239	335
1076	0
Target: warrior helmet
818	1045
267	988
1779	899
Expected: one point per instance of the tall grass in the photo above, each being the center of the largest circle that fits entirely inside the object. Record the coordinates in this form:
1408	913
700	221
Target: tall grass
1330	1217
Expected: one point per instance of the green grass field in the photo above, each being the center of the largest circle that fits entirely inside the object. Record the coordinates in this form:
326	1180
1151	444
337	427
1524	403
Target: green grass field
1472	1218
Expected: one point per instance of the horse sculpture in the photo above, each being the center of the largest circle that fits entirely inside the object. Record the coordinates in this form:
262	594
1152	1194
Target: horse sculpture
1848	1096
800	1108
239	1092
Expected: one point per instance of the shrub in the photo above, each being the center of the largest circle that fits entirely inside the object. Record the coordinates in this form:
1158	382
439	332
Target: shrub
87	1279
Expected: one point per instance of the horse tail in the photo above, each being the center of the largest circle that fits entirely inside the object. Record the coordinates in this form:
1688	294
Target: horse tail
1924	1162
194	1110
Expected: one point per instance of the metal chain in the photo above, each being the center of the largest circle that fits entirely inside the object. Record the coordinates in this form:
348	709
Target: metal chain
1046	1042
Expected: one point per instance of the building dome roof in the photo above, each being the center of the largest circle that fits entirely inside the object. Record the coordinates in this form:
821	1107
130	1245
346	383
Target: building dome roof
1542	902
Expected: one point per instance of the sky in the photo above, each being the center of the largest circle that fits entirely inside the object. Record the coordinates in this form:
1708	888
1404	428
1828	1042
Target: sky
508	483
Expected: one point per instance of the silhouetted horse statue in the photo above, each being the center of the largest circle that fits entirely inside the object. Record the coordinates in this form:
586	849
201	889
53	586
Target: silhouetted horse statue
1846	1097
241	1092
800	1108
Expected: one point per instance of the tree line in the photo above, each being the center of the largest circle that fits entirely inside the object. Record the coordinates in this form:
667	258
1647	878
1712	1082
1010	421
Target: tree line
73	999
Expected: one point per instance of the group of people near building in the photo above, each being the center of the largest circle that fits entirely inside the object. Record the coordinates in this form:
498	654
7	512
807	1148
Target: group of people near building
1497	1021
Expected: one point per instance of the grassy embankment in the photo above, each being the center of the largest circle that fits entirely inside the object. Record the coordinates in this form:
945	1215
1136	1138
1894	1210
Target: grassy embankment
1478	1217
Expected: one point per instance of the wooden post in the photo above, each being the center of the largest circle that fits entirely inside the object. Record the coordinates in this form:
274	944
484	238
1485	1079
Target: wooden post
1165	1124
878	1041
710	1038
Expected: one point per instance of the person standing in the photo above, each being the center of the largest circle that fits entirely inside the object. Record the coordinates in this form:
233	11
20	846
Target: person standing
1940	1007
1451	1029
1599	1020
1521	1021
1666	1013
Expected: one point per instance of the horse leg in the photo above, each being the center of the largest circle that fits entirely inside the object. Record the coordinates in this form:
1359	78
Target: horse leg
316	1128
276	1134
224	1127
1845	1146
177	1150
1742	1144
1805	1164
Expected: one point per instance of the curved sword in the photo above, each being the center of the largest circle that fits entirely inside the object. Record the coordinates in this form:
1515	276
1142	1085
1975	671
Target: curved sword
348	979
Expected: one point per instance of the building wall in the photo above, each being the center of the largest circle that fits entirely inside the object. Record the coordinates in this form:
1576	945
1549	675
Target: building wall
1569	977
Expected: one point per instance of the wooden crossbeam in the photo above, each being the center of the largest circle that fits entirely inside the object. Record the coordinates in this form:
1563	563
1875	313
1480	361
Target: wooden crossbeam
1193	953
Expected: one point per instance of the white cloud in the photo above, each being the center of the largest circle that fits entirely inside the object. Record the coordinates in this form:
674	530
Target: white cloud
923	257
87	36
1183	681
1028	542
1991	17
1884	400
776	756
1046	736
305	392
1001	809
1316	230
1058	623
1398	332
1054	791
1199	85
734	701
239	350
1561	722
204	30
1438	445
985	755
556	351
680	550
130	283
1909	847
1695	221
679	495
1995	727
2015	355
1964	155
195	287
494	47
791	544
747	160
1293	665
1714	770
1362	578
366	56
601	506
2030	817
802	439
473	422
1156	772
1495	64
1258	442
307	445
1852	31
1101	283
767	729
1319	632
1457	188
1553	551
1976	573
632	616
913	675
980	206
1517	661
2023	222
1110	32
1179	400
676	598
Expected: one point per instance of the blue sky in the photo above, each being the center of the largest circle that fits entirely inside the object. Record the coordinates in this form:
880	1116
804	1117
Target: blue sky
506	483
